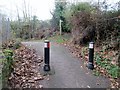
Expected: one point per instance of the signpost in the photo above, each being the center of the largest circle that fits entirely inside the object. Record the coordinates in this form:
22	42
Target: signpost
60	24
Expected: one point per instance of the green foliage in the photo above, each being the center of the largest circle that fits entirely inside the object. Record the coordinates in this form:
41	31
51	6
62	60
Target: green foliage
16	45
80	7
7	66
80	21
58	15
59	39
59	9
25	29
96	73
113	70
83	15
29	29
8	52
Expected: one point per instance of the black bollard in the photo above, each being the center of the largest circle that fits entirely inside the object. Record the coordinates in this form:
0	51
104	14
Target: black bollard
46	55
91	56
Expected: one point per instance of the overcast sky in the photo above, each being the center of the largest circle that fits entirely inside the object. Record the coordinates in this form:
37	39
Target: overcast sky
40	8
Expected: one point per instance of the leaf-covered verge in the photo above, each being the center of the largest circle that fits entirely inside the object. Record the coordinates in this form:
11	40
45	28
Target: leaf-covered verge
106	63
21	67
25	69
7	62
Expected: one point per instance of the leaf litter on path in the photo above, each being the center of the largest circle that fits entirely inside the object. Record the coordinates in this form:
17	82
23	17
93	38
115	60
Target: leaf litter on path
26	69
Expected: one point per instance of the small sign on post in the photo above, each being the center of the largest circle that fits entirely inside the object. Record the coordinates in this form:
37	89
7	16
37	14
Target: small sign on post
91	56
46	55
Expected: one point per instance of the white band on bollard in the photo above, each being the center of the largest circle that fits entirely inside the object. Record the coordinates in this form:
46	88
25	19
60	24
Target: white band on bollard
45	45
90	45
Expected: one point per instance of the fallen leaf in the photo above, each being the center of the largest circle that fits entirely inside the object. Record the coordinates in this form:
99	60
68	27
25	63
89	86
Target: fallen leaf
31	81
40	86
88	86
97	83
48	79
38	78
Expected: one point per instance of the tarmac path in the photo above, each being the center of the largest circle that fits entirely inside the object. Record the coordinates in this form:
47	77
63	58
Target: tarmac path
70	72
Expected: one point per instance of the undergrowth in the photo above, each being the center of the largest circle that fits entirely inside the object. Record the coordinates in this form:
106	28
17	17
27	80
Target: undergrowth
7	66
8	51
105	63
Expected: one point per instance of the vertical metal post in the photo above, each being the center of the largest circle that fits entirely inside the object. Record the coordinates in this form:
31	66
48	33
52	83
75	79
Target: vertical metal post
47	55
60	23
91	56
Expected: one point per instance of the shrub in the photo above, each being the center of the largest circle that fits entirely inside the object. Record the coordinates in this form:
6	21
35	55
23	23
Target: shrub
7	66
